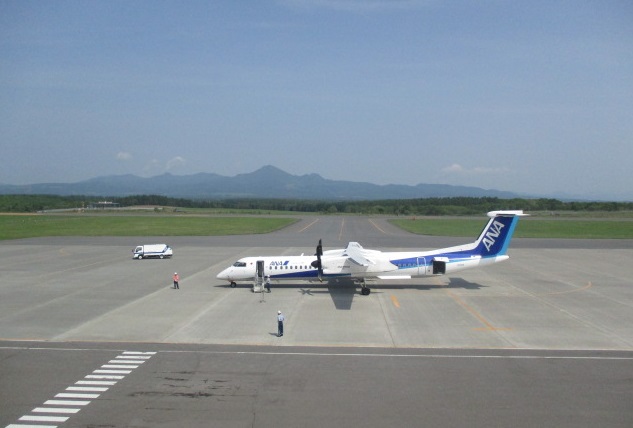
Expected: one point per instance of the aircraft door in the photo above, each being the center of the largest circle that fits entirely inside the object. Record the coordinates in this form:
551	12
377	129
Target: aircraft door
439	265
259	273
421	266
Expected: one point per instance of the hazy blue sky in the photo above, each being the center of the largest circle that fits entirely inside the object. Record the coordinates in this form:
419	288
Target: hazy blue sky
526	96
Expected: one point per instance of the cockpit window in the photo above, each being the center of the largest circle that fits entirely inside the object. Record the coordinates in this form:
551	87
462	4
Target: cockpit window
239	264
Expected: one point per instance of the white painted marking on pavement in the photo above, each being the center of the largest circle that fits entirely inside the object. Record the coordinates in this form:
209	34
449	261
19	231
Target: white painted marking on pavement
54	410
86	388
96	382
104	377
66	403
65	395
127	360
118	366
44	418
133	357
30	426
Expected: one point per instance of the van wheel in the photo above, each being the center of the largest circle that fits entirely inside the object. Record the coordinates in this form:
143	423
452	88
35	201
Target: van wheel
140	257
161	256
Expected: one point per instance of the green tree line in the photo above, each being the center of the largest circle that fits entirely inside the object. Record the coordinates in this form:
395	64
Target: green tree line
426	206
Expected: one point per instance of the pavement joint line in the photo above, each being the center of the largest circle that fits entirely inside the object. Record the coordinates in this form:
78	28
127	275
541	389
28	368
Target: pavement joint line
384	317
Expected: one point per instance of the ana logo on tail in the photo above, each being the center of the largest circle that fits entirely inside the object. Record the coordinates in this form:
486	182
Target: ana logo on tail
493	233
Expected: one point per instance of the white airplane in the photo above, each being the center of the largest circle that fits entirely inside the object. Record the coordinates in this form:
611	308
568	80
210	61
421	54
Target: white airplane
359	264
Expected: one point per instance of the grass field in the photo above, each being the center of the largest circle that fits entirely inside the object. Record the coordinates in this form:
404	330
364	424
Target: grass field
14	226
29	226
527	228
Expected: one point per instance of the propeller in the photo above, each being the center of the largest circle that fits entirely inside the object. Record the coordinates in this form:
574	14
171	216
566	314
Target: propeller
317	263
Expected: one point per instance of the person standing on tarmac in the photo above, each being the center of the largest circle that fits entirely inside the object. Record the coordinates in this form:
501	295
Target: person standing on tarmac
176	278
280	324
267	284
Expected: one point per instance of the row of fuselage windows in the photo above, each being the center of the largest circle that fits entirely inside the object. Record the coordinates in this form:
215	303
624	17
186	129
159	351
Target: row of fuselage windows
400	265
291	267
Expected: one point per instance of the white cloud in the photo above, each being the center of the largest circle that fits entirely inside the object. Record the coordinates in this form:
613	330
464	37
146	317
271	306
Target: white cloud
157	167
124	156
453	169
175	163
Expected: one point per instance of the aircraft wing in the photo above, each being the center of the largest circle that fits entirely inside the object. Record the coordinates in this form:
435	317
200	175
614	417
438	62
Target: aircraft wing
355	252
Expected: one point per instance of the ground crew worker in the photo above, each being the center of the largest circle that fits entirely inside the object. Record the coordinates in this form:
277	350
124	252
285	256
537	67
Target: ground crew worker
280	324
176	279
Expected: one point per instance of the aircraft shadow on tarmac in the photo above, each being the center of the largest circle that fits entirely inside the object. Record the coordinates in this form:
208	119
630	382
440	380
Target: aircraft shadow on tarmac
344	292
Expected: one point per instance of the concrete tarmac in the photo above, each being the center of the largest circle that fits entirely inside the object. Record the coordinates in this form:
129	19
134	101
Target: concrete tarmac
90	289
554	323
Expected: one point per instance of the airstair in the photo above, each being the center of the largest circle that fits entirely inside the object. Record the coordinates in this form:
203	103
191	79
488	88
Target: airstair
260	280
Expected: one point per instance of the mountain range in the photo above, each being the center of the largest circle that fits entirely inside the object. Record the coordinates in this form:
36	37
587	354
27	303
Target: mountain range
266	182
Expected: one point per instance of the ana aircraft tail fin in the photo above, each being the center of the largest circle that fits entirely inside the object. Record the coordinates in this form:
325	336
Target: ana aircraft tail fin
495	238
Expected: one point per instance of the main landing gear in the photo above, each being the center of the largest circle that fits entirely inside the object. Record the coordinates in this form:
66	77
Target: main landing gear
364	290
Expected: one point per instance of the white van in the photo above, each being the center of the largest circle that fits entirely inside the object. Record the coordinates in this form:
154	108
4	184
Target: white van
154	250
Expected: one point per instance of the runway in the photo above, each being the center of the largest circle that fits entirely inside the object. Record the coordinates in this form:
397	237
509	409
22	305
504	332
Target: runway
547	335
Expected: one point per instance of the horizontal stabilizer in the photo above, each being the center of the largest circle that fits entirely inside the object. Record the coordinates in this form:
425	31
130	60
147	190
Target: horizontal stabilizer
508	213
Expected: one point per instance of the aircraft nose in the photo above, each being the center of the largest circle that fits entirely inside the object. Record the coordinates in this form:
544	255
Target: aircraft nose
224	274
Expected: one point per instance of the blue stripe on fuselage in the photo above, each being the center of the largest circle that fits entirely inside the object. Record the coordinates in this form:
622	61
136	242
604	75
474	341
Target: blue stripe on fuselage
412	262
